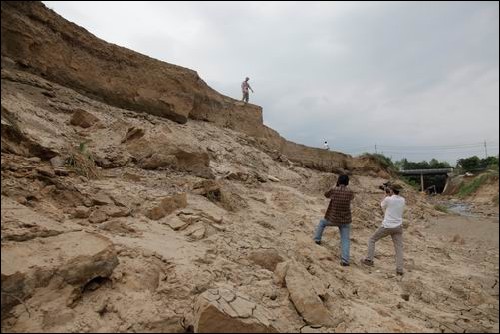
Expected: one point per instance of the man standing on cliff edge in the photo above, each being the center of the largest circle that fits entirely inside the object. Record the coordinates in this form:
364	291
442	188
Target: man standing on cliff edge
244	88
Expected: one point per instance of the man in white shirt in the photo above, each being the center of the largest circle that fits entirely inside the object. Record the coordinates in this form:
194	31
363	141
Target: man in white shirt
393	206
245	86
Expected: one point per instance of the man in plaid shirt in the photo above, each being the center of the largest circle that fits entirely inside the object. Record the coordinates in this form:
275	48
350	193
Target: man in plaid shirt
338	214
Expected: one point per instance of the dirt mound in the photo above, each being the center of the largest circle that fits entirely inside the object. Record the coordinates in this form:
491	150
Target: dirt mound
177	233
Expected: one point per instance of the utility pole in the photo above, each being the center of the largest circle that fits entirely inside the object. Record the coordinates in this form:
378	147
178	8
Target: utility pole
485	150
375	148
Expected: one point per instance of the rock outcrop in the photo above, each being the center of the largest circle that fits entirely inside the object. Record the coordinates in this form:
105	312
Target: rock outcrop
38	40
83	119
73	258
266	258
225	311
42	42
166	206
305	296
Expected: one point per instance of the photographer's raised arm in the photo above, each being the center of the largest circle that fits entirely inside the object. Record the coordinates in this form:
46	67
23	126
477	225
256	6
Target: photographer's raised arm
328	193
384	202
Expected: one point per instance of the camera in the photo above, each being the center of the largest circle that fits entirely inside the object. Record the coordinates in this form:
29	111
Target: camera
385	187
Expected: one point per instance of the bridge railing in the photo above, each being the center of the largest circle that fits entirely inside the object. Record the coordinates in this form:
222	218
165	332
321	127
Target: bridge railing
426	171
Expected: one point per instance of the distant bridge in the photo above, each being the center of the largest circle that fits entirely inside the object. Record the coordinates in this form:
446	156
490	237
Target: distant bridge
428	171
434	171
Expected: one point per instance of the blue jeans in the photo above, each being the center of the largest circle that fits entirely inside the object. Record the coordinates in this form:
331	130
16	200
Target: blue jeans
345	231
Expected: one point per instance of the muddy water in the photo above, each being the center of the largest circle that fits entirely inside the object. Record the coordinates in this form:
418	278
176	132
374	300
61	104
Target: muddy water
465	220
459	208
467	209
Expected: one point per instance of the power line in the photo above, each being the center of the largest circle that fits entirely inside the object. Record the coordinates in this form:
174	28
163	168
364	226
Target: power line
426	146
462	150
454	152
437	146
479	149
354	149
423	149
434	148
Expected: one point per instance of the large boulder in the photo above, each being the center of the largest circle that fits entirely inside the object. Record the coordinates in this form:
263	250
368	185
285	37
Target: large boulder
159	160
83	119
195	162
185	160
21	223
166	206
133	133
305	297
222	194
266	258
158	149
73	258
225	311
16	141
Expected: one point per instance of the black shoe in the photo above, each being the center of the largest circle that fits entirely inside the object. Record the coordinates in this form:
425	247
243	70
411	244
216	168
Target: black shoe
318	242
367	262
400	273
344	264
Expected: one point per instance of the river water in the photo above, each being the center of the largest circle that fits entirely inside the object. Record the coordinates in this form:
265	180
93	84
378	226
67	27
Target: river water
464	209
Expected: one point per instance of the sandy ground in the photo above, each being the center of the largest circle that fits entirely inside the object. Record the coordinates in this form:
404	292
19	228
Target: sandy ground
262	203
473	229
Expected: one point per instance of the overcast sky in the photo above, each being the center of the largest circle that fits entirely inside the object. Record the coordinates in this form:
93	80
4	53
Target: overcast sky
405	76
